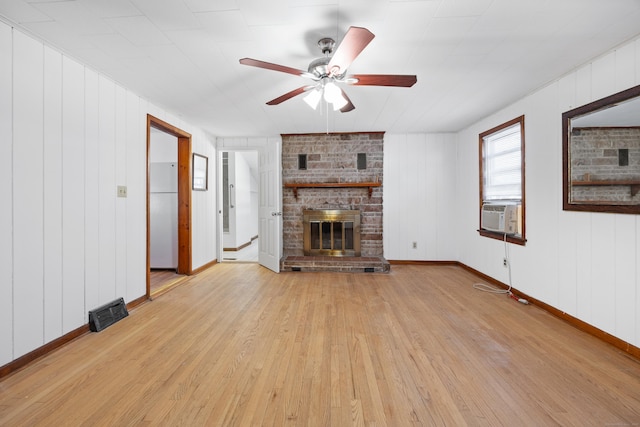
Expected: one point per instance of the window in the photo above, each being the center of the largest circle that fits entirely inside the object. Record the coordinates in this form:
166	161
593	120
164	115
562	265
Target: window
502	181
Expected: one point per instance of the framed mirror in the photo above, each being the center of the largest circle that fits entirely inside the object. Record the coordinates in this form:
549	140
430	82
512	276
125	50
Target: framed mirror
200	172
601	155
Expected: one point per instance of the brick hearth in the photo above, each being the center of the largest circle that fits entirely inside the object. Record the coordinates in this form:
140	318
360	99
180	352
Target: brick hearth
359	264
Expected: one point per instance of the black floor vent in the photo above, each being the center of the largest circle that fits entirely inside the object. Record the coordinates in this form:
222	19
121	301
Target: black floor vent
369	269
296	269
107	315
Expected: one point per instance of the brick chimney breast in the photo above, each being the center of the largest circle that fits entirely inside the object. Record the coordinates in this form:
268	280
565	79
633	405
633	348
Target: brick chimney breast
333	158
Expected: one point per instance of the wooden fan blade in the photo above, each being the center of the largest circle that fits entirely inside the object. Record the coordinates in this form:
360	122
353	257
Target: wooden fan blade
275	67
289	95
354	42
349	105
384	80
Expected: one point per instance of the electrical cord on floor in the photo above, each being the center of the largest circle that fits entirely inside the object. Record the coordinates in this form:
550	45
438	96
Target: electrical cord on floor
494	290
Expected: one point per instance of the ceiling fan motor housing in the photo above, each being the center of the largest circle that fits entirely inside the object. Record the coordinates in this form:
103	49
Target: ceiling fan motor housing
319	66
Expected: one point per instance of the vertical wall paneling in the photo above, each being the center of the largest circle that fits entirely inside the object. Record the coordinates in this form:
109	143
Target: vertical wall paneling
430	154
583	86
542	194
68	138
567	264
199	212
597	279
52	194
73	195
567	232
582	224
92	168
392	202
135	152
625	67
6	184
420	210
603	280
107	191
446	194
121	203
420	195
636	281
637	61
28	191
625	254
603	76
204	204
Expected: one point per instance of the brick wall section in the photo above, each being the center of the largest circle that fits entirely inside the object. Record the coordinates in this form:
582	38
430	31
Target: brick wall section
333	158
594	155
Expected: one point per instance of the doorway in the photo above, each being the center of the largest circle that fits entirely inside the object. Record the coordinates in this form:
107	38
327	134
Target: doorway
269	194
183	206
239	187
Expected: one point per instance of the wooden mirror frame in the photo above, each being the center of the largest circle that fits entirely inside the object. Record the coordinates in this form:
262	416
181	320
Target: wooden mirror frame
594	206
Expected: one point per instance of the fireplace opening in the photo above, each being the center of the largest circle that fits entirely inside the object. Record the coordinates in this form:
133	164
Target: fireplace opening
331	232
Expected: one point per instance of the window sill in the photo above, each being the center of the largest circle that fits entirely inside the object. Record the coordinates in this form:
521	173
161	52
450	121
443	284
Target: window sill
511	238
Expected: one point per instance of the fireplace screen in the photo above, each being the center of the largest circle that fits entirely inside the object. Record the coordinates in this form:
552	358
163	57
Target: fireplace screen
331	232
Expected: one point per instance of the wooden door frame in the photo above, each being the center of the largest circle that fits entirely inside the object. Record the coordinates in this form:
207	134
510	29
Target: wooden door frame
184	197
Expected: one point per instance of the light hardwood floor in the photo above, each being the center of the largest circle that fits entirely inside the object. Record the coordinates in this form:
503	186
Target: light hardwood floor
239	345
162	280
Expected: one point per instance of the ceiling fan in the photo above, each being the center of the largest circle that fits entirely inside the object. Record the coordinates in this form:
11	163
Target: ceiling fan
331	69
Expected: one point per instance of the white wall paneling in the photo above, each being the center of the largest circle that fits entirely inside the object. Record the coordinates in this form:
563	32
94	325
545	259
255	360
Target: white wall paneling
52	195
582	263
107	190
394	238
603	76
92	168
203	203
28	74
603	273
419	197
136	220
73	195
121	203
625	267
625	67
6	185
68	243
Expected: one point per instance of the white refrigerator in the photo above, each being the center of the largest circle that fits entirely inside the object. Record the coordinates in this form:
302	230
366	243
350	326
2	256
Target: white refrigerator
163	215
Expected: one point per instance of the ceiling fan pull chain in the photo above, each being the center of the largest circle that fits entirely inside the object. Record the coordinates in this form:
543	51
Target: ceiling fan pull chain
327	115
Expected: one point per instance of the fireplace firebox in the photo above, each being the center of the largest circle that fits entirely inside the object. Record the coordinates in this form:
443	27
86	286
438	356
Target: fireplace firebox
331	232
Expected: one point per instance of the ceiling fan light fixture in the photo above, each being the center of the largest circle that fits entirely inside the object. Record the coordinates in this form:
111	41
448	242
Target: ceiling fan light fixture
333	95
313	98
339	102
332	92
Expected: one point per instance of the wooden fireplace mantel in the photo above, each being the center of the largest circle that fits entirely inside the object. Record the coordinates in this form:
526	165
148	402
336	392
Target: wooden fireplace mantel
295	186
634	185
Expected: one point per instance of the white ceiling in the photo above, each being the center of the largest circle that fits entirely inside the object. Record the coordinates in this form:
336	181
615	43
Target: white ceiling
471	57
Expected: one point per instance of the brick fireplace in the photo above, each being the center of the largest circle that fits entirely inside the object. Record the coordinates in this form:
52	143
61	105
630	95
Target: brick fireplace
333	172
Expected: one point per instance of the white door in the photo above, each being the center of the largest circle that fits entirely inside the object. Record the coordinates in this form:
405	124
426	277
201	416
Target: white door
270	206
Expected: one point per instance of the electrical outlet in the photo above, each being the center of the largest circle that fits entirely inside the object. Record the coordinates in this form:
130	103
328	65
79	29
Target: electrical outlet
122	191
504	262
415	245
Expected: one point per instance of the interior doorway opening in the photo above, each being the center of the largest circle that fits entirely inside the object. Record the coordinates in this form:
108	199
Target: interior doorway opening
164	280
239	187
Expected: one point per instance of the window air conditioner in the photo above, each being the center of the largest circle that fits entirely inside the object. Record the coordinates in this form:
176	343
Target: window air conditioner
501	218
